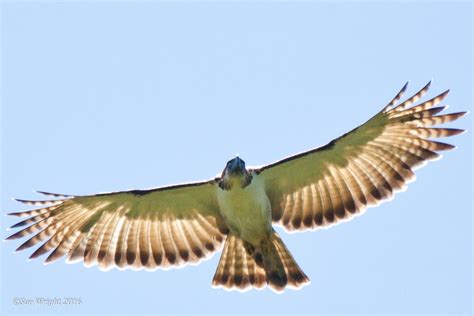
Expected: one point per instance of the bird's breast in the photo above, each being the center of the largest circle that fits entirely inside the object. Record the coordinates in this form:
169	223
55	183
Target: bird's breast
246	211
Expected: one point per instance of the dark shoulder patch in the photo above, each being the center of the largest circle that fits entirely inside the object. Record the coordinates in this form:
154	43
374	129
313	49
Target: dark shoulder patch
328	146
140	192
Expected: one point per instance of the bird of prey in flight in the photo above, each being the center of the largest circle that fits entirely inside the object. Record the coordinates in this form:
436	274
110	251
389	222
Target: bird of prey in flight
185	223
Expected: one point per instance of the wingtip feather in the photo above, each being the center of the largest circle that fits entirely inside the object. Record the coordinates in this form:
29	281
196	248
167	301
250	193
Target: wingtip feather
13	236
16	214
428	85
460	114
53	194
405	86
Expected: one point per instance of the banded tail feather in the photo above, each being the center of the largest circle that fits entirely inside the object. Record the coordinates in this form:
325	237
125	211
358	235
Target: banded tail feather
237	268
243	266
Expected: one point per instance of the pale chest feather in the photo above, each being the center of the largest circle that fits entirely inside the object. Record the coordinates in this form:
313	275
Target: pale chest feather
246	210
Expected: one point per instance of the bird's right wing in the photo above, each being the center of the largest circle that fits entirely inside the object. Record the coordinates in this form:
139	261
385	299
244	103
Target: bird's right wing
140	228
325	185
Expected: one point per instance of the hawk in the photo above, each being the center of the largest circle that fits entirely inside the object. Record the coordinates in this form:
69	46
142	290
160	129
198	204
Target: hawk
179	224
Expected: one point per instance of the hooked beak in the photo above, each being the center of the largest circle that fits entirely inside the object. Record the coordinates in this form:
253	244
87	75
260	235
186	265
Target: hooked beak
237	166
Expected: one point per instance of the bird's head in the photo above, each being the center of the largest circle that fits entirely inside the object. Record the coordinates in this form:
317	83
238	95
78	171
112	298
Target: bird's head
234	168
235	172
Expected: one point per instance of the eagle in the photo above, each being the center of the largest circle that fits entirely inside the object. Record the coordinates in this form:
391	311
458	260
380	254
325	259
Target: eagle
180	224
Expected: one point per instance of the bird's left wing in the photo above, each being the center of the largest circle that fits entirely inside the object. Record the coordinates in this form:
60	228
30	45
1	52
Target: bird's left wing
323	186
140	228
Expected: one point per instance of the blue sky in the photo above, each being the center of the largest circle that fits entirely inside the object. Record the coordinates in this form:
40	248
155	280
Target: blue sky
121	95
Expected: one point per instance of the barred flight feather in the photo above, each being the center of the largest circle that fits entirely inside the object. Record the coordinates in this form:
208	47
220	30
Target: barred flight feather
360	169
124	229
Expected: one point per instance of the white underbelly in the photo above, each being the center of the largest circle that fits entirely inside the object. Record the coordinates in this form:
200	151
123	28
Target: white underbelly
246	211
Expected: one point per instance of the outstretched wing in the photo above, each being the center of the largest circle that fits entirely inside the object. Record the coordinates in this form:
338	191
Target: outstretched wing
140	228
361	168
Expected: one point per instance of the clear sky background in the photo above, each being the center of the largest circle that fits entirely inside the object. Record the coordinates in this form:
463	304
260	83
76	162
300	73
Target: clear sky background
115	96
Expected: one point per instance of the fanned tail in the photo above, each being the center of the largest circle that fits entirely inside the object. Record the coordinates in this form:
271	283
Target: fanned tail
281	269
243	266
237	269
